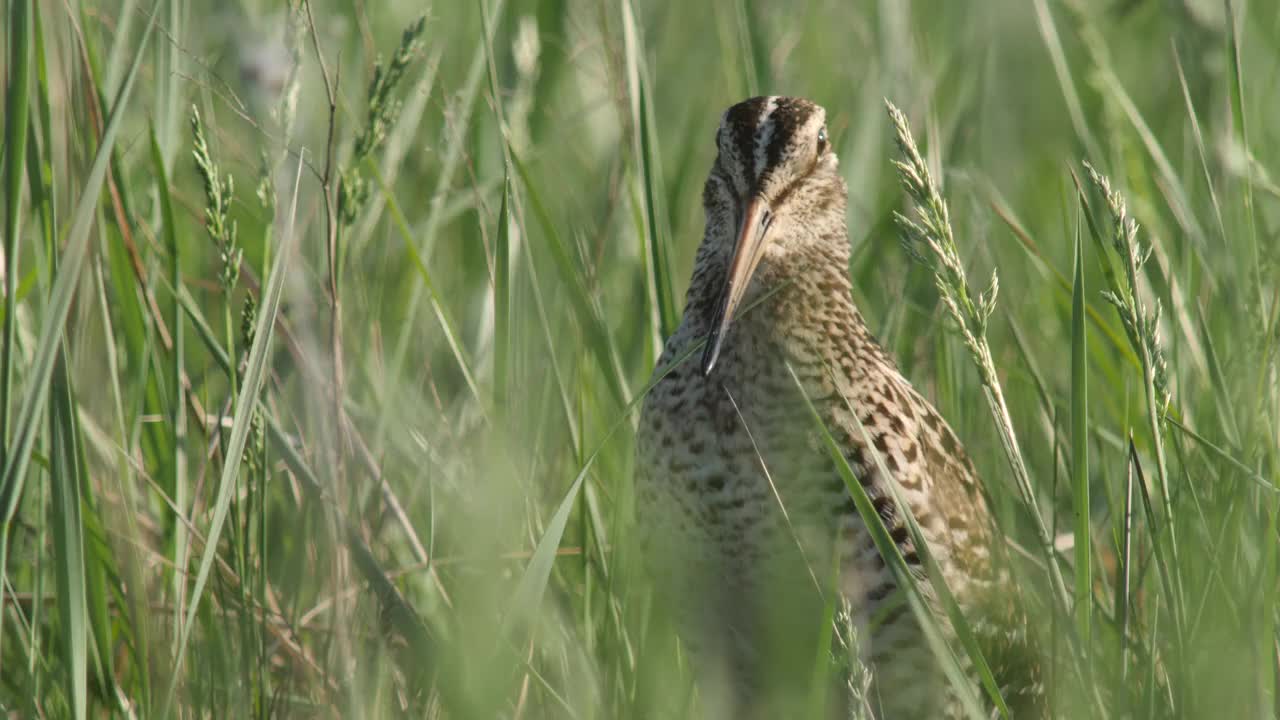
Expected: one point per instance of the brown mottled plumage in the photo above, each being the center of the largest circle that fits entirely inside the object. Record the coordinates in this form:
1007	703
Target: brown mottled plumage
747	521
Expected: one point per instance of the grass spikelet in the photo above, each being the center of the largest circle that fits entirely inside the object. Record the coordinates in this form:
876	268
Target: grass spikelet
929	238
381	111
219	192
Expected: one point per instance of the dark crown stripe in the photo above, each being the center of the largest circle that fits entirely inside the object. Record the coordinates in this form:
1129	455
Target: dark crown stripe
790	115
771	120
742	120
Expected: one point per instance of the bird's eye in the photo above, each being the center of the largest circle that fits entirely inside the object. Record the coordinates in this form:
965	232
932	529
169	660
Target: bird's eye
822	141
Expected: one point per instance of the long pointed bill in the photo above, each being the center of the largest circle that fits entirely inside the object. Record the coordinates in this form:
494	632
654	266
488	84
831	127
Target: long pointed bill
753	228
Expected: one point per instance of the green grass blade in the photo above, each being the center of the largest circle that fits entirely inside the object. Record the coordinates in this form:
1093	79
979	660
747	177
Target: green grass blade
17	114
652	225
68	541
747	53
179	488
1124	566
502	340
533	582
36	396
1080	451
1241	128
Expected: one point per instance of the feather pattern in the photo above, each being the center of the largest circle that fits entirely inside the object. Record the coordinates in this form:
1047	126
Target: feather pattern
741	508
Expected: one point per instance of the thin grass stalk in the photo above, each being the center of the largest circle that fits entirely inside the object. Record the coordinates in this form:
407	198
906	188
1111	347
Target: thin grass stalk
344	203
43	199
1062	70
1163	572
586	311
436	301
502	250
1124	573
178	416
1271	328
17	115
746	52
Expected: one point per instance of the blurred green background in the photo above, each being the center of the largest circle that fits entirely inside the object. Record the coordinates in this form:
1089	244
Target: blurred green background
458	274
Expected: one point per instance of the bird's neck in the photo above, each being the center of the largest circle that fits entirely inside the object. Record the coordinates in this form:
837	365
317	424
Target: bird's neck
809	280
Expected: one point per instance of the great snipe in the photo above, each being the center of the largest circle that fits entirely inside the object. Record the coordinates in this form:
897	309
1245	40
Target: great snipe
746	518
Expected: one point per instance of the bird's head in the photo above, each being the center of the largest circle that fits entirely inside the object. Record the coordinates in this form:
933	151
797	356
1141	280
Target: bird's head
774	189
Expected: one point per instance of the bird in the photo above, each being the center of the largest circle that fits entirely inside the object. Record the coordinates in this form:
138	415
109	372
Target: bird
748	528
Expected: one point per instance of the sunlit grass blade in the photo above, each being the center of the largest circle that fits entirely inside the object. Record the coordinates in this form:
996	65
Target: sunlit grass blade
1221	391
748	56
816	706
1124	574
1200	148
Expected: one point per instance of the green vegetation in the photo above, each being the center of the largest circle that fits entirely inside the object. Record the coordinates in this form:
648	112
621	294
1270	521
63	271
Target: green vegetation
326	326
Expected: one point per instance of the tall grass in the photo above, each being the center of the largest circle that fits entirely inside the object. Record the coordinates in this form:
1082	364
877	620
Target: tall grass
371	453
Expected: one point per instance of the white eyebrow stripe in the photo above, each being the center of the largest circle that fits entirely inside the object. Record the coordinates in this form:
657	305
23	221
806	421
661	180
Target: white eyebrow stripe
764	135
